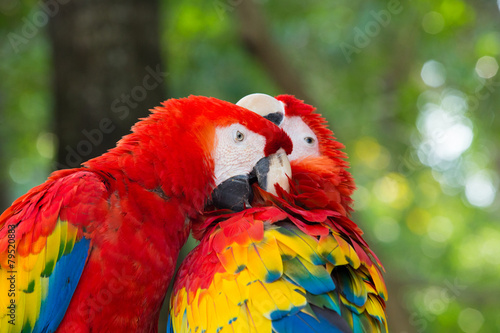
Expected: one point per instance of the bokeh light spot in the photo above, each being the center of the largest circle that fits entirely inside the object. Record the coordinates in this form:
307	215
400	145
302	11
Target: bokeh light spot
433	23
394	190
488	44
447	132
490	248
454	11
417	221
486	67
440	229
370	152
367	149
454	101
479	189
468	257
433	74
435	301
46	145
470	320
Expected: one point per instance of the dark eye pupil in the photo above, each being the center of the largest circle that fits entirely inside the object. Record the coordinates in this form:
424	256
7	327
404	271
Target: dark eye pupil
239	136
309	140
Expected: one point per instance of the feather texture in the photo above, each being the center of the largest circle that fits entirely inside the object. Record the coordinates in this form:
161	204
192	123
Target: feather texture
43	263
319	275
94	248
313	278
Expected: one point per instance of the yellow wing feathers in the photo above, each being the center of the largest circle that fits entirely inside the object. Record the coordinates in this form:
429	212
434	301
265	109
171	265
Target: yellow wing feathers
26	277
280	274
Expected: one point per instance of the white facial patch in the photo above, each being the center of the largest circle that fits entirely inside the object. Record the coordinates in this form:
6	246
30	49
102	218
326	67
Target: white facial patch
305	142
237	150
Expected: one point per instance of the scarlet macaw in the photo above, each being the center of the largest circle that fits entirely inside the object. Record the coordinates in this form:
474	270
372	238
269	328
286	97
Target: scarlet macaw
294	262
94	248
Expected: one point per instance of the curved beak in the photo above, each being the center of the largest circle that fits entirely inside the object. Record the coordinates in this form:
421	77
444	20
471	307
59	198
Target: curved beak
274	170
265	105
236	192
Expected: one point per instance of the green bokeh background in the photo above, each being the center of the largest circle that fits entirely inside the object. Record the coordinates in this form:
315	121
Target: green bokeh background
412	90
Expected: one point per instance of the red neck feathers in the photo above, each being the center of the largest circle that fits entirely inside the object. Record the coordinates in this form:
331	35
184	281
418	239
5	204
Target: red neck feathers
336	179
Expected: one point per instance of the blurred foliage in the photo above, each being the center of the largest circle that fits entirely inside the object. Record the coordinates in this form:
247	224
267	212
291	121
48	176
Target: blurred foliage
409	87
25	110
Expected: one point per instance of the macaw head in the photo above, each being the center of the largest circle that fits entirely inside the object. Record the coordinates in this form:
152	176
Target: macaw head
192	147
314	145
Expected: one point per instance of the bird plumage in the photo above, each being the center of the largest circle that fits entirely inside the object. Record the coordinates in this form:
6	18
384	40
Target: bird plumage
293	263
94	248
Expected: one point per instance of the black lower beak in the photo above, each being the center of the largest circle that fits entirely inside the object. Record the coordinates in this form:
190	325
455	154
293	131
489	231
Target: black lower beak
261	169
234	193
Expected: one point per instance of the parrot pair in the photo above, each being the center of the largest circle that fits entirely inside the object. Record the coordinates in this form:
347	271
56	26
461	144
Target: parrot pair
94	248
294	261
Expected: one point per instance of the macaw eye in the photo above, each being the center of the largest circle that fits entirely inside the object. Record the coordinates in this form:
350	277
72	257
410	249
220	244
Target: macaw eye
309	140
238	136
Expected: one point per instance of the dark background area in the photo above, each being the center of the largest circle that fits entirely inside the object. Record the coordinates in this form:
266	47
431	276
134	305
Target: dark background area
410	87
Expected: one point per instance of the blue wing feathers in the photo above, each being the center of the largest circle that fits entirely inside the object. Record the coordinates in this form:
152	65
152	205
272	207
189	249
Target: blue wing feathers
325	321
62	285
169	325
314	279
